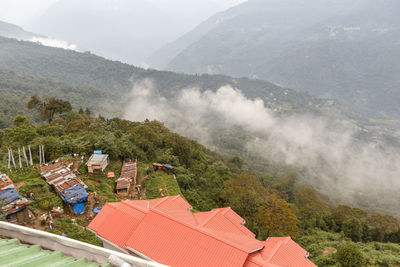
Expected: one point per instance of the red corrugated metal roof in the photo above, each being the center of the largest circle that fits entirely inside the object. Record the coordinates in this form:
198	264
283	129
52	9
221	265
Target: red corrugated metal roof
176	244
280	251
166	231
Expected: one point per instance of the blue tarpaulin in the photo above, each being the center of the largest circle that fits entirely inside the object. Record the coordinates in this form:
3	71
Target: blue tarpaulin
9	195
168	166
76	194
79	208
97	152
97	210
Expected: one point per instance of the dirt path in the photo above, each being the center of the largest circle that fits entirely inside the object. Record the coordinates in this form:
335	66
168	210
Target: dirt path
142	179
90	204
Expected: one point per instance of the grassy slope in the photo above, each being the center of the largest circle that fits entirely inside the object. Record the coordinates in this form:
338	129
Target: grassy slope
164	181
322	247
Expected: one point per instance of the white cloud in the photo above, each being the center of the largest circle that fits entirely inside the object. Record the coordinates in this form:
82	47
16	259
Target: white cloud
53	43
323	148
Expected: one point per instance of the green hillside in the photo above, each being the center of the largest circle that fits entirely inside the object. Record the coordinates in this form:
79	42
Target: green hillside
13	31
88	70
104	86
332	49
272	205
15	91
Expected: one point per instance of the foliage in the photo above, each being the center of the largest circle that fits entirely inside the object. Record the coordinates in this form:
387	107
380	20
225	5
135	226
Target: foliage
271	204
16	90
244	194
350	255
75	231
160	180
49	107
323	247
277	219
353	228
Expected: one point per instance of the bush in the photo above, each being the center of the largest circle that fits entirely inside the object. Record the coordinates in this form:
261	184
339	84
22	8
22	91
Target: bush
350	255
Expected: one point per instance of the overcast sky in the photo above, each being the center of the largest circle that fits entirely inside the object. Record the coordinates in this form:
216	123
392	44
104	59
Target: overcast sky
21	12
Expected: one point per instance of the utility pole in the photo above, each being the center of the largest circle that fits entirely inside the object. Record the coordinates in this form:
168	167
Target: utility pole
19	158
26	158
30	155
9	159
40	156
12	158
44	161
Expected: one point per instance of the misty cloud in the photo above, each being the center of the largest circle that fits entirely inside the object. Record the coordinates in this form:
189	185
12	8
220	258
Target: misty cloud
53	43
323	148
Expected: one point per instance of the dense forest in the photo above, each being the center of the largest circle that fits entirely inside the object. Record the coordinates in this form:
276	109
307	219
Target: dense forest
105	87
15	91
272	205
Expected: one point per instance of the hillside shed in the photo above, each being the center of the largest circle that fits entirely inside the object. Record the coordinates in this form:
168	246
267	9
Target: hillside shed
157	166
68	186
128	174
168	168
163	167
97	162
14	205
5	181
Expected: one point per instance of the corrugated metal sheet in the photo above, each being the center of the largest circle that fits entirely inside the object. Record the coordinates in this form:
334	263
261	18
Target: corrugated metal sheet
64	180
14	202
5	181
123	225
289	253
61	178
13	253
167	231
280	251
223	220
97	159
176	244
128	174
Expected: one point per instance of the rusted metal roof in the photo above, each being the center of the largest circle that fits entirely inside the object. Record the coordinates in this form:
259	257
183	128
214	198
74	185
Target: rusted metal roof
123	184
14	202
128	174
5	181
61	178
129	170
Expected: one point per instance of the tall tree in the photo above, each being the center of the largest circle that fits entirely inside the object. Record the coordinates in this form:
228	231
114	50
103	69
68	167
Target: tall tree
49	107
276	218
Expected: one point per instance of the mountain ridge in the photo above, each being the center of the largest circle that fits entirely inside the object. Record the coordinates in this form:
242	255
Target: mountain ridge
334	50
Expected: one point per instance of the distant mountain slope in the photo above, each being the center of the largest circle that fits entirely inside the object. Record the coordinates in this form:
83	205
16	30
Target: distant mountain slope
335	49
84	69
15	91
124	30
13	31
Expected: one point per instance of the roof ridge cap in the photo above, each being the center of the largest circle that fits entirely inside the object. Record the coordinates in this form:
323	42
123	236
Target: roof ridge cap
203	231
239	227
162	200
216	211
127	203
278	246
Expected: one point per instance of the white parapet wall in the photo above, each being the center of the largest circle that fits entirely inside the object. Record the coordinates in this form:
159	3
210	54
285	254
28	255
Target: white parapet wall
72	247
